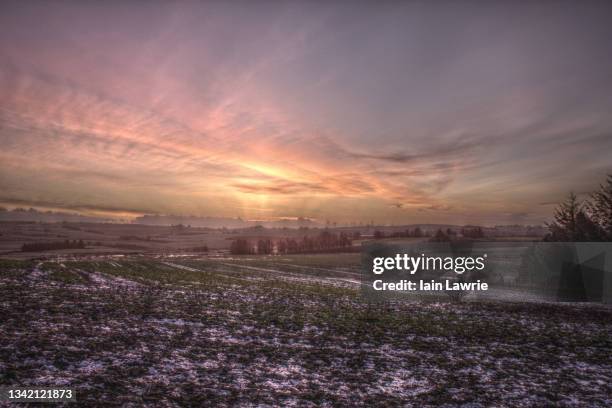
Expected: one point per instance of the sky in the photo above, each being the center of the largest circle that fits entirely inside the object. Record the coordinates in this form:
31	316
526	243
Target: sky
392	112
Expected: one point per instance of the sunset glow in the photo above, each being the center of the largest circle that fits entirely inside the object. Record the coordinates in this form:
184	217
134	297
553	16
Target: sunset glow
302	110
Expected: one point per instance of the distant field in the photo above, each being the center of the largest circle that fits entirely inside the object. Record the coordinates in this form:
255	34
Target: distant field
110	238
289	329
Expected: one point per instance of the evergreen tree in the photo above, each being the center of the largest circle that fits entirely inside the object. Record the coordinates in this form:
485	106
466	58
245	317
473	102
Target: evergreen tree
586	229
600	208
572	223
563	228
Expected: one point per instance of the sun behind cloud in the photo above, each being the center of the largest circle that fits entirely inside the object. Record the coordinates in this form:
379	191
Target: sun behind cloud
304	110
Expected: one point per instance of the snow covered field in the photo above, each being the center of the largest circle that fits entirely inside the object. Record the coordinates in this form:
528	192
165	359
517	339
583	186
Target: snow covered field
290	331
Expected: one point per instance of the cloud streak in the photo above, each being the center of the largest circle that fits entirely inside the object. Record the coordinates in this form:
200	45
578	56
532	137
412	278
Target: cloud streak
303	110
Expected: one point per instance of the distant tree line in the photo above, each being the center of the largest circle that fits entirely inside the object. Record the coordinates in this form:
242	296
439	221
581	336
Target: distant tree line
326	241
407	233
47	246
472	232
584	220
451	235
241	246
441	236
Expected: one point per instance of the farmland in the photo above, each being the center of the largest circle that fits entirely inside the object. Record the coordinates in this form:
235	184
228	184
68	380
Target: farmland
291	330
